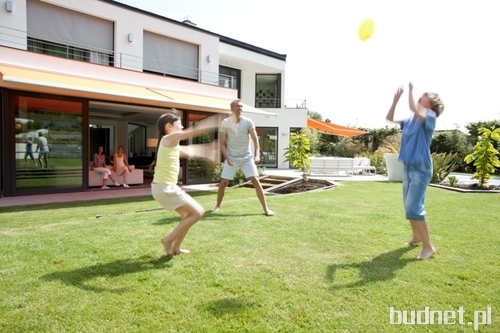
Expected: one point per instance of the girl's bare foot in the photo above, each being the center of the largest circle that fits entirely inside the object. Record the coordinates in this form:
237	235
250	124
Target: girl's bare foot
427	253
167	244
181	251
269	213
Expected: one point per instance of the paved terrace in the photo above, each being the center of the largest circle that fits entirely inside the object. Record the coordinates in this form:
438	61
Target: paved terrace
144	190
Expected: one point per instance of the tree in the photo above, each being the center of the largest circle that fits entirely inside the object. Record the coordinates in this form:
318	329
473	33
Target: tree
375	136
484	155
474	133
314	115
297	153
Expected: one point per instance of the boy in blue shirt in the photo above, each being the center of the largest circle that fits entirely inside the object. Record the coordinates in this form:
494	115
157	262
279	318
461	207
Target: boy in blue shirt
416	157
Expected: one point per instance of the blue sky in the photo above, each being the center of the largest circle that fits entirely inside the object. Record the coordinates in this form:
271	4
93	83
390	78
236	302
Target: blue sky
442	46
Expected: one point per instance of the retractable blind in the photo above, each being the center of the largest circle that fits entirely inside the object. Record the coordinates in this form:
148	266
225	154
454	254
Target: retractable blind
60	25
170	56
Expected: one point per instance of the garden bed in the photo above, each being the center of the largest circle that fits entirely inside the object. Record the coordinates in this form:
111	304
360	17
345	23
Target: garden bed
299	186
469	188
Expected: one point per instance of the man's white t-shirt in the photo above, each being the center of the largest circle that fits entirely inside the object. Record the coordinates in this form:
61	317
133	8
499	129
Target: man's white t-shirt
238	137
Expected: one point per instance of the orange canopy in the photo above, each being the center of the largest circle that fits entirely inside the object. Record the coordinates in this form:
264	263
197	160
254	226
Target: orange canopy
334	129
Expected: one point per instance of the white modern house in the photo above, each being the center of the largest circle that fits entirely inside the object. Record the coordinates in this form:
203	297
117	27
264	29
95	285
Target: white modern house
99	73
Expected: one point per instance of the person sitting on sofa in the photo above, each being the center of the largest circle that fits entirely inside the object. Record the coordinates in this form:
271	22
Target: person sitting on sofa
99	165
121	166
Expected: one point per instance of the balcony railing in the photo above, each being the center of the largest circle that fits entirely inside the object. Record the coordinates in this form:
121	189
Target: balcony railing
227	81
103	57
272	103
295	104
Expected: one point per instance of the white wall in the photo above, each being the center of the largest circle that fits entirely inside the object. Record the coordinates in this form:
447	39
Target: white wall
129	55
15	34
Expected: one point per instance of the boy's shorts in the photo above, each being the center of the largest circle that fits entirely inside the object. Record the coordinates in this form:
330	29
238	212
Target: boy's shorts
416	178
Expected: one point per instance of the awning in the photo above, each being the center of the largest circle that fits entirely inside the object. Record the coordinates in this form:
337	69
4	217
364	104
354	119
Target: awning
52	83
330	128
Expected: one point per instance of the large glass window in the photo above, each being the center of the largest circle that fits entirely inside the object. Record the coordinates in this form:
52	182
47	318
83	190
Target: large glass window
268	142
136	141
268	91
48	149
200	170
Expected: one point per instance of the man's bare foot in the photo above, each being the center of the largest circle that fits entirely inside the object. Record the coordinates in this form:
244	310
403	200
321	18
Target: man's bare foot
216	209
269	213
168	246
181	251
413	242
427	253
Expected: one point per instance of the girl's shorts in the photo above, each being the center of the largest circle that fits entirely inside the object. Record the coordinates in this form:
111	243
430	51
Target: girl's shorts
169	196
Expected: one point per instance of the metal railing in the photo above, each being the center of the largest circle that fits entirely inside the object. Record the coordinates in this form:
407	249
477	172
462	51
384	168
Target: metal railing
295	104
63	49
272	103
39	44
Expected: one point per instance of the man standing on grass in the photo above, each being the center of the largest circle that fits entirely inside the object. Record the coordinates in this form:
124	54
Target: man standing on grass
234	139
44	150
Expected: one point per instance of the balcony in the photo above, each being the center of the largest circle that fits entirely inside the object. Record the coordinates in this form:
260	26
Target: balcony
112	59
295	104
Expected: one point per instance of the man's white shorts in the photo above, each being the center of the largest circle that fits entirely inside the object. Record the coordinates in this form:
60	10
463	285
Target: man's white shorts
246	164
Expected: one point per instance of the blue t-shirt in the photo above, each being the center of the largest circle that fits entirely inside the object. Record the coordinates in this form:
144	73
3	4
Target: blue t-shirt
416	139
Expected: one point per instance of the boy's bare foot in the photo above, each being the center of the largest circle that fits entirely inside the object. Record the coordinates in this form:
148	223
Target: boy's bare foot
216	209
427	253
168	246
269	213
181	251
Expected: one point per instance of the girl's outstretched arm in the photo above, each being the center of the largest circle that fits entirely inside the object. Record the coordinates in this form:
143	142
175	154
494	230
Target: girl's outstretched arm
206	125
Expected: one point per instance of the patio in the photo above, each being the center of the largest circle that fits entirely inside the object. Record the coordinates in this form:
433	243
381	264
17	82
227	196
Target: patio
144	190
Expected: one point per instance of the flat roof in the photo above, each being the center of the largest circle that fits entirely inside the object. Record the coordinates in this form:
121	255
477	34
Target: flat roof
223	39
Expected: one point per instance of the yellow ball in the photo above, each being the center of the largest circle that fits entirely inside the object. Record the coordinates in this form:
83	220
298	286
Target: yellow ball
366	29
18	126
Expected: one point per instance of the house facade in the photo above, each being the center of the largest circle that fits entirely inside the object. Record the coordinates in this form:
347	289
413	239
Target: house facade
94	73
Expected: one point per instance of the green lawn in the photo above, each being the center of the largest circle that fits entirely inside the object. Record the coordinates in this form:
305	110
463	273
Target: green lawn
331	261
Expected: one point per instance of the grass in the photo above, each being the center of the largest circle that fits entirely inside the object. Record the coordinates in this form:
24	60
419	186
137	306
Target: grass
331	261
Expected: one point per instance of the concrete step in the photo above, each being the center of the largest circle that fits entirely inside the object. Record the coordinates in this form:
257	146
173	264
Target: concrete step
268	181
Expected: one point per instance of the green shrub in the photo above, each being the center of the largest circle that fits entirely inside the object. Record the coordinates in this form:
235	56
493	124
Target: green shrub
485	155
297	153
453	141
443	164
451	180
239	177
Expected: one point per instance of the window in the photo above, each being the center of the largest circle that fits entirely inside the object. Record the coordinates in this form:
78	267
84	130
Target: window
49	143
230	78
268	142
200	170
69	34
68	52
268	91
136	141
